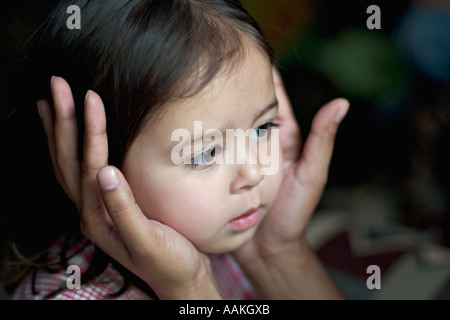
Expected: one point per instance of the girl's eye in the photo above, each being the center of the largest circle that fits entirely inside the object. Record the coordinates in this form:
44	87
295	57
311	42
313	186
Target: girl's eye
205	159
264	130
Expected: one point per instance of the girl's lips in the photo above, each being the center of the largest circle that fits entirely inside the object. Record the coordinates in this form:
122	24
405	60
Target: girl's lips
247	220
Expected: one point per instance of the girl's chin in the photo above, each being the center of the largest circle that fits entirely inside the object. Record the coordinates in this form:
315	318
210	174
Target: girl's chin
227	246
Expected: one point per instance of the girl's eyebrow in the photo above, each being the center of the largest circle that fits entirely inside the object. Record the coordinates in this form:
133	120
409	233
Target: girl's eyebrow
270	107
267	109
223	130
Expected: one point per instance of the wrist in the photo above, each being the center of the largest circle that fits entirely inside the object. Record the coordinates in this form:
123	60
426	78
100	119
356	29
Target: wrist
203	287
273	254
291	271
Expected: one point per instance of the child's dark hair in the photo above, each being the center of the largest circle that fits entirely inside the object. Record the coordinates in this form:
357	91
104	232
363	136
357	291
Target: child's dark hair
137	55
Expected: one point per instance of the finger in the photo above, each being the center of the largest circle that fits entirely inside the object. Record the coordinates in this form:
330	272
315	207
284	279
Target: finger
95	137
95	157
290	136
66	137
48	122
131	224
316	156
285	110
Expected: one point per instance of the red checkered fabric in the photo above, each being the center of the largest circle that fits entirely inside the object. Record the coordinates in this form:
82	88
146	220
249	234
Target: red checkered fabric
230	279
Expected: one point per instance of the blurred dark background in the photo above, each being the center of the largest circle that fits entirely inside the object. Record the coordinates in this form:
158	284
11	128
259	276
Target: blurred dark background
391	156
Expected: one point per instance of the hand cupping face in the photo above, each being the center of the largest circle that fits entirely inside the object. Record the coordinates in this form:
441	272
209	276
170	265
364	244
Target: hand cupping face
217	199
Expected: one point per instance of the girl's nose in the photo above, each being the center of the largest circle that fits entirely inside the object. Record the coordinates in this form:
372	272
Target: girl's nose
248	176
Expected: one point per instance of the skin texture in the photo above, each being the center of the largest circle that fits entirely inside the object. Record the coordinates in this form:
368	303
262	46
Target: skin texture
275	256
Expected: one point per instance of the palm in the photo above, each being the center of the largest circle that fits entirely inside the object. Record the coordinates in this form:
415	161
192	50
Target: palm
109	214
304	177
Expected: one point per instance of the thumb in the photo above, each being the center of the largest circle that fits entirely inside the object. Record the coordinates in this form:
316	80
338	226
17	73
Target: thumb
318	149
128	219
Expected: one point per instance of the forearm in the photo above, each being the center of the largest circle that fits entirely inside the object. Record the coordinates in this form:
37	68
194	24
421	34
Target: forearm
294	273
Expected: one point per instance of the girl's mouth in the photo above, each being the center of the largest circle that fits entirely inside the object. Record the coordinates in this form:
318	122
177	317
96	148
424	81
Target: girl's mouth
246	220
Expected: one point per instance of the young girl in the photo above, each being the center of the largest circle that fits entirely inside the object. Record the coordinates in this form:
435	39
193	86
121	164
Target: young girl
205	227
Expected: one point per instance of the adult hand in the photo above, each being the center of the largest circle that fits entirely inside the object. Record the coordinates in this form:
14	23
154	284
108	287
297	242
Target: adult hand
109	215
304	177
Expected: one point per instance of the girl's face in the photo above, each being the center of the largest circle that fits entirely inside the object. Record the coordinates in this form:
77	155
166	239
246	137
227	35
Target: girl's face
218	205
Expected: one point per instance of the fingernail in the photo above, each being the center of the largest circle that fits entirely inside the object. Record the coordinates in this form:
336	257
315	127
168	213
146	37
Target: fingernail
108	179
342	112
88	96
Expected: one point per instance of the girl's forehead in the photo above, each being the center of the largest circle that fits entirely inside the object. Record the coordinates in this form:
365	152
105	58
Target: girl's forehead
233	95
233	100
